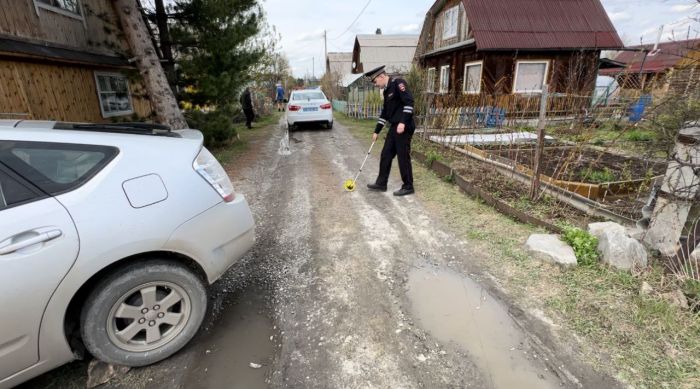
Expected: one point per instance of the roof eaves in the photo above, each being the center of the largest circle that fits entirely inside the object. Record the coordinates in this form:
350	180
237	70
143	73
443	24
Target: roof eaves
459	45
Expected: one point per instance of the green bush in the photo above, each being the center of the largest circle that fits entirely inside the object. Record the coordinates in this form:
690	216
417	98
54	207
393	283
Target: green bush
639	136
216	126
598	176
584	244
432	156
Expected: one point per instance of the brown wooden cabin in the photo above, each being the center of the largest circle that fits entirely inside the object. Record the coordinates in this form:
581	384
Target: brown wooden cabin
502	48
66	61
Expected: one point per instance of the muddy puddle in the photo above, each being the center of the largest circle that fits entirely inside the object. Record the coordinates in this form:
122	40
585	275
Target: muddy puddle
456	310
238	352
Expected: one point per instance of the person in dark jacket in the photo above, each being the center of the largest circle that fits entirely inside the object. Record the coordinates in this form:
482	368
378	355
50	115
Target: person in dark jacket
397	114
247	105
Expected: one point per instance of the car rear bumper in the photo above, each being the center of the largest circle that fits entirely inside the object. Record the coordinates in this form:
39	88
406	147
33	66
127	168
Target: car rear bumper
309	117
217	237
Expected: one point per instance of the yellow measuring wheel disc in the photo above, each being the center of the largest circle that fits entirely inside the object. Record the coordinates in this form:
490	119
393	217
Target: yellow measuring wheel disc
349	185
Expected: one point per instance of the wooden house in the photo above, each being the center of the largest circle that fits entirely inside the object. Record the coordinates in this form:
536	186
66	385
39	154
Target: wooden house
67	60
395	51
656	69
514	47
338	64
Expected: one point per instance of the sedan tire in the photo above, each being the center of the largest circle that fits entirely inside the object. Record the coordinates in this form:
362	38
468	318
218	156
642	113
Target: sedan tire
143	313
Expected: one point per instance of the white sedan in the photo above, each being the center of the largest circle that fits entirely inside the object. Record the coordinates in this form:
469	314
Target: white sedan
309	106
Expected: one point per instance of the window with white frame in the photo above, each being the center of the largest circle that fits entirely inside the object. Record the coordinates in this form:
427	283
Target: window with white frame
444	79
530	76
449	23
472	77
65	6
113	92
430	81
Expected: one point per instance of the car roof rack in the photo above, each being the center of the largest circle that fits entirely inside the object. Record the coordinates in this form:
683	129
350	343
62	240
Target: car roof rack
137	128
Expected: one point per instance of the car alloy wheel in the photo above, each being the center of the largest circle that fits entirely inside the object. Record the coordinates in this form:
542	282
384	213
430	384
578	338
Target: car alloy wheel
148	316
143	312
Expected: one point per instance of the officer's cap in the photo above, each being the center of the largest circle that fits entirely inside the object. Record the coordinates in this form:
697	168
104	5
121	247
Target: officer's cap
374	73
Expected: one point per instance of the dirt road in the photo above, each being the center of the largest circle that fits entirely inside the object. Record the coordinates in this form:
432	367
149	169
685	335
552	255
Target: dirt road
368	290
355	290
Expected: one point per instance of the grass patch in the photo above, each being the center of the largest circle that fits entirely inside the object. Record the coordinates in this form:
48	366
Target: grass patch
360	128
651	343
639	136
237	146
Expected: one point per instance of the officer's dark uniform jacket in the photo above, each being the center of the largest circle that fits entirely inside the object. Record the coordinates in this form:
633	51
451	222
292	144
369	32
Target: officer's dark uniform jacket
398	106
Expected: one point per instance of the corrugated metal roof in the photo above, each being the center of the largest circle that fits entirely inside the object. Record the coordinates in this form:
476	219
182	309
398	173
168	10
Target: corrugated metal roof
391	40
540	24
668	54
349	78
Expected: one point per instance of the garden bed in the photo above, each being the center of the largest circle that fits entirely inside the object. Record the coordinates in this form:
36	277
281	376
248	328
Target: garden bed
509	196
583	164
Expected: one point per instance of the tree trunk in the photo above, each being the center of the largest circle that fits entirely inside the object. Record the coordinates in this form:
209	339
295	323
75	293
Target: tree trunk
156	83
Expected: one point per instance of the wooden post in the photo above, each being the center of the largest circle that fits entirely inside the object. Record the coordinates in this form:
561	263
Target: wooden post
156	83
534	190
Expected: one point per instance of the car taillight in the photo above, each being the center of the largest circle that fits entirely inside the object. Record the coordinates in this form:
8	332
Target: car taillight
211	170
294	107
326	106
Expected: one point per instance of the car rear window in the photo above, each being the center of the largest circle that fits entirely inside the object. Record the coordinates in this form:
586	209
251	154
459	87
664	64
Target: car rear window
308	96
55	167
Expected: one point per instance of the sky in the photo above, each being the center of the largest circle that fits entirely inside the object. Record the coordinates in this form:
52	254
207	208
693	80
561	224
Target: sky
301	23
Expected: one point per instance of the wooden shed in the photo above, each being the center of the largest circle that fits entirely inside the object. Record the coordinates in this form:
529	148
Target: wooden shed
67	61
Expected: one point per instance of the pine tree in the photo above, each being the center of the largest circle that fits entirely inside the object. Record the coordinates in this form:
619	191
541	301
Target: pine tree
216	47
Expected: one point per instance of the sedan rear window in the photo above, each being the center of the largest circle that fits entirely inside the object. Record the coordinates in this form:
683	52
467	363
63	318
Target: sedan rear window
55	167
308	96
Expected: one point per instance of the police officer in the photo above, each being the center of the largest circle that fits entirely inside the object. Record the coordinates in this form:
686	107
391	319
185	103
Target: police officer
397	113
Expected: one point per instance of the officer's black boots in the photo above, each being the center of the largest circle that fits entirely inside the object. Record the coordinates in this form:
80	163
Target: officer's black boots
376	187
404	192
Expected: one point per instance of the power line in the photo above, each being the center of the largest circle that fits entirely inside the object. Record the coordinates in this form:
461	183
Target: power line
353	22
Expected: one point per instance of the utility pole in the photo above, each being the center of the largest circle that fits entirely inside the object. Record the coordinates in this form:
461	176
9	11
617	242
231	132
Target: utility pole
325	48
313	68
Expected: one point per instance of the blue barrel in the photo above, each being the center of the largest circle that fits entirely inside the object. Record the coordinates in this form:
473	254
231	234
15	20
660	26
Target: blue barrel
637	109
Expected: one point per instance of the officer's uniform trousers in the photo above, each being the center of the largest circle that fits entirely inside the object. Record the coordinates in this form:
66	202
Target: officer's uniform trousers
398	145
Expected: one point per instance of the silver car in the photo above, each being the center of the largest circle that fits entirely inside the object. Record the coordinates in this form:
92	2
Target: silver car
109	235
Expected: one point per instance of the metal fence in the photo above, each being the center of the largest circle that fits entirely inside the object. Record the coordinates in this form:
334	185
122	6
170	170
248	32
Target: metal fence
358	110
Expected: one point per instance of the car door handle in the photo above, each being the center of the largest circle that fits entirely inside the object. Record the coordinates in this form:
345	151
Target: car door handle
43	237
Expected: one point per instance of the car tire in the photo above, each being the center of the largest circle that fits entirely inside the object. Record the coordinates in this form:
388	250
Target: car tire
329	125
290	127
156	299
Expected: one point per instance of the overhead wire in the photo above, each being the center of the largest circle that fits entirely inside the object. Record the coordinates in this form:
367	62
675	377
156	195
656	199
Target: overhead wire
354	21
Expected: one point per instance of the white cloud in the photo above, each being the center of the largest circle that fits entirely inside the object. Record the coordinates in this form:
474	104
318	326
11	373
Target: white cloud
406	28
682	7
308	36
619	16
